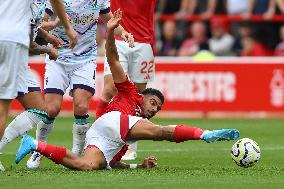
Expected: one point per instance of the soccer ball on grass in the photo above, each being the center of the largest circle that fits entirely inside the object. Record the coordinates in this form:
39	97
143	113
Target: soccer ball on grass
245	152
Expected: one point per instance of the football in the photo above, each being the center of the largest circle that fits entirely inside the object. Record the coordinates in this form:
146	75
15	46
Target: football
245	152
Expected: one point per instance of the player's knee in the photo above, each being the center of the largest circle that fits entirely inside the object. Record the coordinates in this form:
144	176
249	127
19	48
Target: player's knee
84	166
81	108
52	111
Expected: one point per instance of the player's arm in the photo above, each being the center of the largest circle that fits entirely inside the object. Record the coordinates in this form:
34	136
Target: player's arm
56	42
111	50
149	162
36	49
119	30
58	7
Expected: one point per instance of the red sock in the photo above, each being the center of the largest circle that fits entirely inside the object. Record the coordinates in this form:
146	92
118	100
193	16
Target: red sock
184	133
102	104
55	153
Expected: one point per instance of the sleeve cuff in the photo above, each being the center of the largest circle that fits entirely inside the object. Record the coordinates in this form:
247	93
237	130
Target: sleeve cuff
105	11
48	11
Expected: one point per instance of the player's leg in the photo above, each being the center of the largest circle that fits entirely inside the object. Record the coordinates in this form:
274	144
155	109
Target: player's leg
45	126
92	159
109	89
13	56
30	97
81	123
55	84
4	109
83	88
24	122
146	130
141	65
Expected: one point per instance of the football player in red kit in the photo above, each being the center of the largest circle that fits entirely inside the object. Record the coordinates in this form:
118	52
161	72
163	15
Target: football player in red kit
137	62
121	123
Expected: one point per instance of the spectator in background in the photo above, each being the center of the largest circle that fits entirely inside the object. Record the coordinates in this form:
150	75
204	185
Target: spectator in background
239	7
280	5
221	43
168	7
170	43
204	54
261	7
205	8
247	8
197	36
251	47
186	9
279	51
273	4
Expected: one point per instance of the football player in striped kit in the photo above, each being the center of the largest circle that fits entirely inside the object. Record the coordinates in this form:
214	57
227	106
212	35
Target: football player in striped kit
75	69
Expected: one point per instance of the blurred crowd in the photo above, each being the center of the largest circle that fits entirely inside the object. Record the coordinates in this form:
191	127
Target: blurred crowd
216	34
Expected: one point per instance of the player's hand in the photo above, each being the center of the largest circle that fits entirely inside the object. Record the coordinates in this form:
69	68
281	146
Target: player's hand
128	37
71	33
115	20
149	162
53	54
55	41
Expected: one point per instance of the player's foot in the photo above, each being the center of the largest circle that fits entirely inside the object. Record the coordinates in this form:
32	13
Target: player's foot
223	134
129	155
34	161
27	146
2	168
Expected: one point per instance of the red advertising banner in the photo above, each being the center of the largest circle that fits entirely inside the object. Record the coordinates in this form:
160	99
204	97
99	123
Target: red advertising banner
228	84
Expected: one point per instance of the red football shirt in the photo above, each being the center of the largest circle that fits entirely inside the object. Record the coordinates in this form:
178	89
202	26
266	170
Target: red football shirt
137	18
127	100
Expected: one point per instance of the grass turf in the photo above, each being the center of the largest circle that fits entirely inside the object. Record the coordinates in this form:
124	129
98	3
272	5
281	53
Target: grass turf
194	164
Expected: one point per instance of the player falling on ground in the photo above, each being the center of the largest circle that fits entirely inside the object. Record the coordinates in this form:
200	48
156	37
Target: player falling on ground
137	62
75	69
107	139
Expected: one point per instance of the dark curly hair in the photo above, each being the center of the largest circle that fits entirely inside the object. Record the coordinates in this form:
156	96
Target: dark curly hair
156	92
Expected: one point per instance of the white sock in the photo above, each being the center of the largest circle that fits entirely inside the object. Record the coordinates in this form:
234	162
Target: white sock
20	125
79	136
133	146
43	130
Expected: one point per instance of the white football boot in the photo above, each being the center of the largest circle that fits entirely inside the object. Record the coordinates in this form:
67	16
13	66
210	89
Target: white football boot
34	161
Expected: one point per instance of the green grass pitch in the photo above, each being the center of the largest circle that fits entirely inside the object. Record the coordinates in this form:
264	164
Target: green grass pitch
194	164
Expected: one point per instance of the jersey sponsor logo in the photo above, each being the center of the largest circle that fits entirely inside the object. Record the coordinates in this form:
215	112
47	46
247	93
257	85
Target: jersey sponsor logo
85	19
